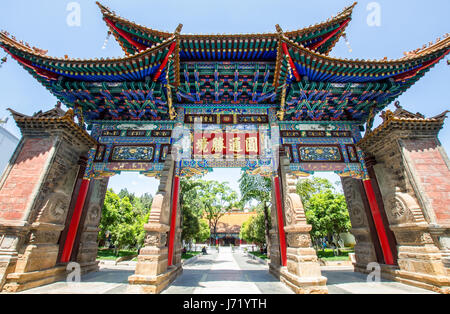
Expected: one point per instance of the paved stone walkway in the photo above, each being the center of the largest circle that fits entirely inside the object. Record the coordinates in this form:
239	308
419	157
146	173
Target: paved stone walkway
223	273
226	273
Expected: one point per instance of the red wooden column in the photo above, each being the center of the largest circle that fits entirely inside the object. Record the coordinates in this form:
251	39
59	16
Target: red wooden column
279	206
173	218
379	226
75	221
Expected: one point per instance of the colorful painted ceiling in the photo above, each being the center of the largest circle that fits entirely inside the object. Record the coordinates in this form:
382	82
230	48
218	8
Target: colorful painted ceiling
286	70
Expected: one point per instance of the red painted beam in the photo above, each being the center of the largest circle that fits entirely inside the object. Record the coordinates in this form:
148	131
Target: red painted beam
325	39
294	69
173	219
164	63
75	221
379	226
410	74
42	72
281	233
128	38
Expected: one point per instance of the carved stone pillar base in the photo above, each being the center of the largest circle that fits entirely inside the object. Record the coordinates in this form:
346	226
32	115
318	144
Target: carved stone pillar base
439	284
302	274
419	259
153	284
16	282
152	273
303	285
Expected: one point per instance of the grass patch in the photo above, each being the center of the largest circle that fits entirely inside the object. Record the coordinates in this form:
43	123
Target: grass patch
336	258
189	255
110	254
260	255
328	255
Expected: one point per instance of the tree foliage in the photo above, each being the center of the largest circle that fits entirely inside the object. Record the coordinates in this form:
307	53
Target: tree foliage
204	231
204	199
217	199
308	187
254	229
123	219
325	209
258	188
327	213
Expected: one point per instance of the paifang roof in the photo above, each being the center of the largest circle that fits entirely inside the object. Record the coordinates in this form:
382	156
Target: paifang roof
303	82
320	37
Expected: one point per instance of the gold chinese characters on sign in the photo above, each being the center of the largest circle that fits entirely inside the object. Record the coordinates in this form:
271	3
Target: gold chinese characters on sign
218	145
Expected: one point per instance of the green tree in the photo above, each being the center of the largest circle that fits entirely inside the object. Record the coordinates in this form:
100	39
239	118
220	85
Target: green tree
123	220
191	208
258	188
327	213
125	193
308	187
245	232
254	229
217	200
191	225
204	231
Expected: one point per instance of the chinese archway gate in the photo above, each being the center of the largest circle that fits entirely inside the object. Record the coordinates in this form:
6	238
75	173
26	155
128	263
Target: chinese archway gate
179	105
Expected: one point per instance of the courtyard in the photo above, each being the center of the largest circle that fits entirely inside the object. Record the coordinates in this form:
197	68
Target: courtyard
223	272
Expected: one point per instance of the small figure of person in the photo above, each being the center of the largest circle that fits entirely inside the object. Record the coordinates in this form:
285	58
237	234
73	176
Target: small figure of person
204	250
334	248
184	250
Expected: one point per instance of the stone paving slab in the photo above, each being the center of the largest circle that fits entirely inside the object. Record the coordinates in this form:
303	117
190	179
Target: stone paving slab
343	280
223	272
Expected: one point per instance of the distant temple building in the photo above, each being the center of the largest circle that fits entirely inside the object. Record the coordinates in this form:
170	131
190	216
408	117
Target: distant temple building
229	228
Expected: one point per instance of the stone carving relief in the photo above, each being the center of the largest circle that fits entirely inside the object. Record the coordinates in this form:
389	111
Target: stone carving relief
289	212
155	239
403	208
55	205
354	202
297	240
294	212
55	208
94	214
37	236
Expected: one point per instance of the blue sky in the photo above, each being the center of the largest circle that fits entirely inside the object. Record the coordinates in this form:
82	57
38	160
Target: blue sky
405	25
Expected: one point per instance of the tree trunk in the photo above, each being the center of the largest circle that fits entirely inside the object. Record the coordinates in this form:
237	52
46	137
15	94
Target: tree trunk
266	222
215	232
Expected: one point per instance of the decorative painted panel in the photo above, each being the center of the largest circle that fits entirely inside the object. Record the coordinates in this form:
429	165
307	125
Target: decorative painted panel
352	154
100	154
133	153
136	133
320	153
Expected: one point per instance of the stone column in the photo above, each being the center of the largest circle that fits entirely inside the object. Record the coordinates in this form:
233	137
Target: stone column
86	244
367	248
152	272
35	193
413	173
302	274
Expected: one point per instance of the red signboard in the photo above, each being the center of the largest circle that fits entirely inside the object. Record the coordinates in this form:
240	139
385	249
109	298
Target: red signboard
221	145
